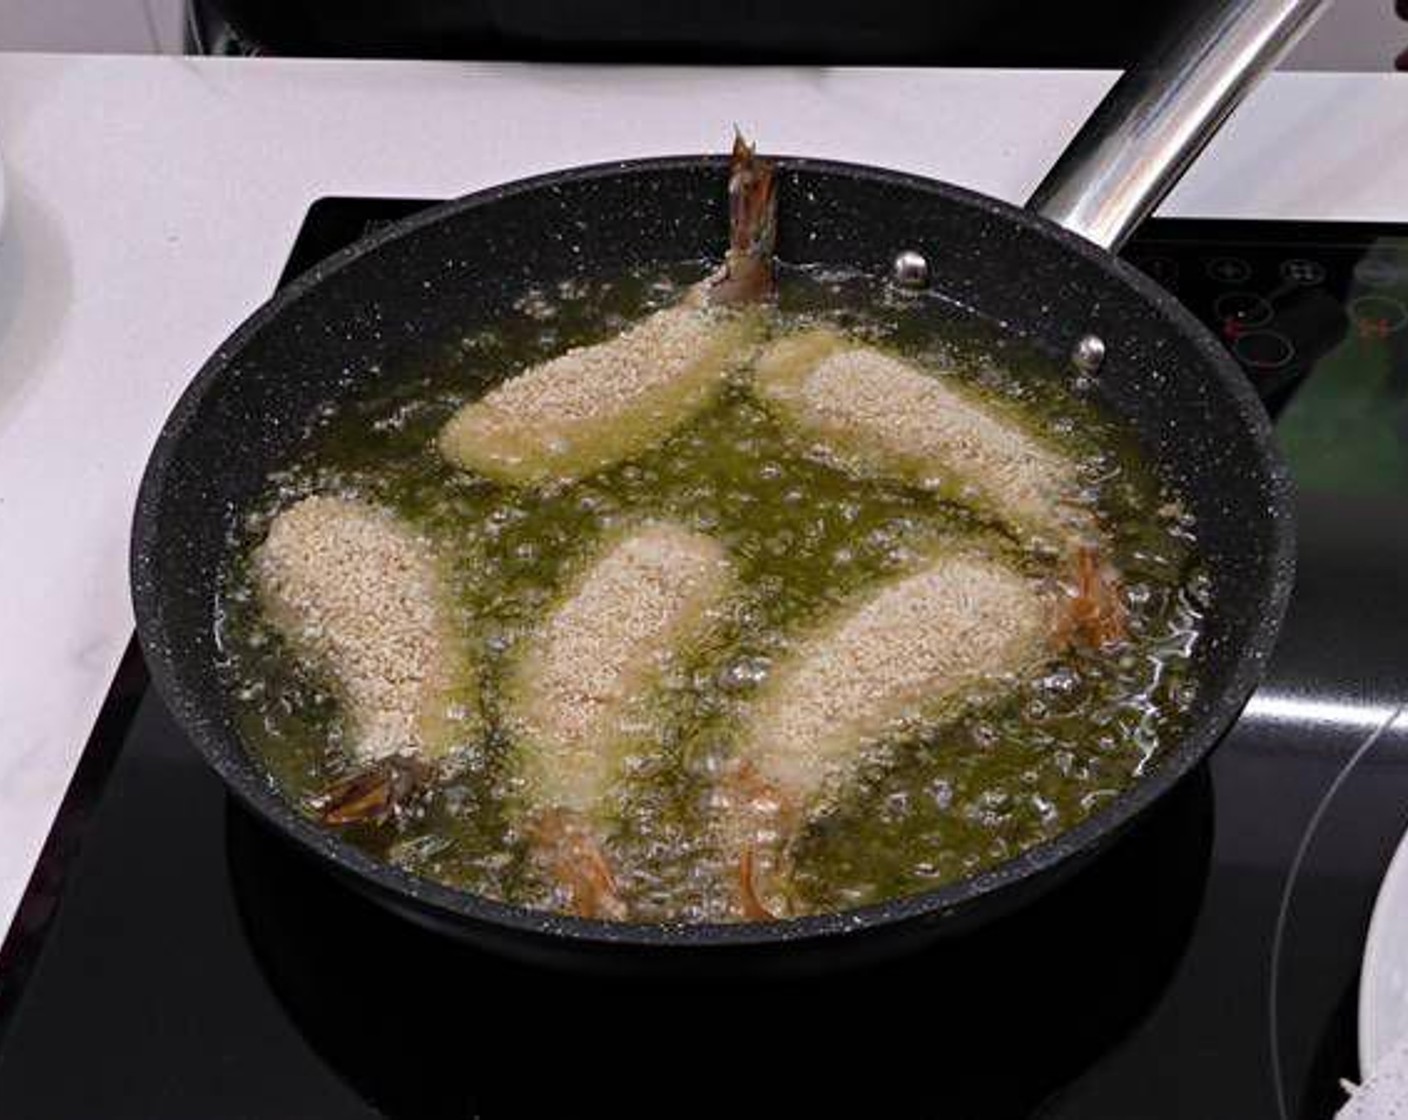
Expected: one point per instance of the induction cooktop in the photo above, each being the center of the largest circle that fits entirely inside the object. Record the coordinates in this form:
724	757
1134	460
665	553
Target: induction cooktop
172	959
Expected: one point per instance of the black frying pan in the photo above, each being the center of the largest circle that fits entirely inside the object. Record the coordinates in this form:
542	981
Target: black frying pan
369	306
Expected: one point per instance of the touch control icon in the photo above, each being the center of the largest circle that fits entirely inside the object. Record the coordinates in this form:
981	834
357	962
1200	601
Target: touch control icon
1304	272
1229	270
1241	311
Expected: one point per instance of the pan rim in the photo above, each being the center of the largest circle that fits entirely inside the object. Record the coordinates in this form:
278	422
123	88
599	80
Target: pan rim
225	754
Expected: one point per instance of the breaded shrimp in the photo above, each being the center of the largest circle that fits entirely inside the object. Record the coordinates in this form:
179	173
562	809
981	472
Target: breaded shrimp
579	699
905	655
878	411
596	405
361	598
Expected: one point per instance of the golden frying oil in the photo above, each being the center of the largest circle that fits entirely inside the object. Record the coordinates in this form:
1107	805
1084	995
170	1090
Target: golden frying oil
804	536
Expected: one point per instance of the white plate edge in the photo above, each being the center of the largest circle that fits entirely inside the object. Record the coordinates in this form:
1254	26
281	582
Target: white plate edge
1393	884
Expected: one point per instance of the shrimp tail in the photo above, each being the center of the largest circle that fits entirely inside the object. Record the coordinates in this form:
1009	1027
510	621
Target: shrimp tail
747	273
763	824
374	794
750	905
1095	616
573	857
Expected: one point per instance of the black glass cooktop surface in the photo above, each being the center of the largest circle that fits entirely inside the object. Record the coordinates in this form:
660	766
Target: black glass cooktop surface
171	959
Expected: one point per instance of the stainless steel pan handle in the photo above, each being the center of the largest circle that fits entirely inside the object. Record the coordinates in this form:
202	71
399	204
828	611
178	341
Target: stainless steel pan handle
1158	117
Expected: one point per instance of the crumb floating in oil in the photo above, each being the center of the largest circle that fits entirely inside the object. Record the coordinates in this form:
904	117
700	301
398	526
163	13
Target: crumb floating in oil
807	537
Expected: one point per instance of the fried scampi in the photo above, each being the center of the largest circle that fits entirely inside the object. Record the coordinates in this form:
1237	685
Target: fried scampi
598	404
878	412
584	694
961	625
362	599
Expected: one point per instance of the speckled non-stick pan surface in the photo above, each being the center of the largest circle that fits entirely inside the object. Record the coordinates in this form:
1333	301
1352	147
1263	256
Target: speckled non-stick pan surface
365	312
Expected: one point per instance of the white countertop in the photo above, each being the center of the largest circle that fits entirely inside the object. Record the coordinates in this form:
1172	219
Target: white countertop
151	203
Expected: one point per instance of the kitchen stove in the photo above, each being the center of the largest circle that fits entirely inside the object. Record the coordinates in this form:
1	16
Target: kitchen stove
171	959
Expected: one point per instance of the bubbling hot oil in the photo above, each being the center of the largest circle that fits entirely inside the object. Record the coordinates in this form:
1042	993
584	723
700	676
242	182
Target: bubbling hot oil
805	537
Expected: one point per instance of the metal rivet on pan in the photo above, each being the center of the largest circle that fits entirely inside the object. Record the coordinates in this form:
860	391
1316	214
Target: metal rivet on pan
1088	353
910	270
